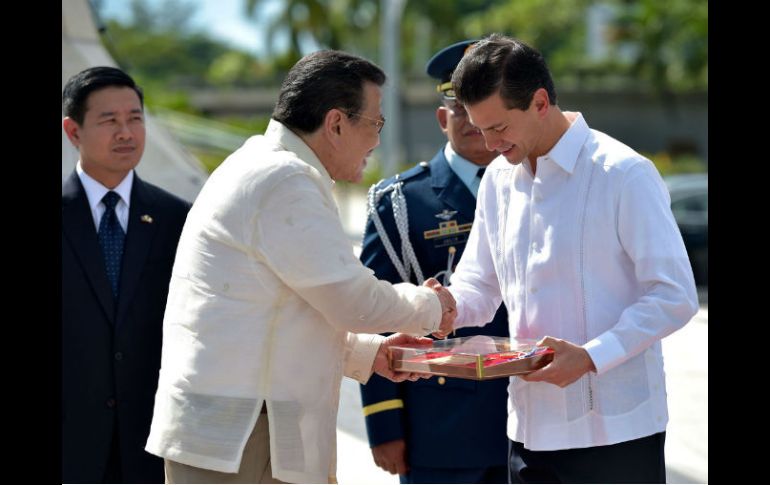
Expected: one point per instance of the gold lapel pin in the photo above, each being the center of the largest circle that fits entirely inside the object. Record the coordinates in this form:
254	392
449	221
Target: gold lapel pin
146	218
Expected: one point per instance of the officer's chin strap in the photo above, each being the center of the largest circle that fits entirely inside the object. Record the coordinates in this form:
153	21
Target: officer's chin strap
401	217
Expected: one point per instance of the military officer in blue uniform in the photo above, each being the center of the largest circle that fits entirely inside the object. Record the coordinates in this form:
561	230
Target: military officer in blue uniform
437	430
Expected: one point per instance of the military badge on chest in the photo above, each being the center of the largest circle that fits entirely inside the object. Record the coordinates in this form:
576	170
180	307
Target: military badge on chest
447	239
448	232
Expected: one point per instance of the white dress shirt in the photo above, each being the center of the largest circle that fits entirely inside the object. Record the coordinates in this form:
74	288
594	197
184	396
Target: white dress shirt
264	293
586	250
95	192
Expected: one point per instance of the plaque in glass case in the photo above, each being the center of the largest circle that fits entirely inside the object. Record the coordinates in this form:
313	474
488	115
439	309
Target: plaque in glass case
479	357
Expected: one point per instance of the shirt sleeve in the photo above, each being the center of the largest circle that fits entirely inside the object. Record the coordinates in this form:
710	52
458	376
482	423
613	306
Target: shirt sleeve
651	239
382	399
360	351
299	235
474	284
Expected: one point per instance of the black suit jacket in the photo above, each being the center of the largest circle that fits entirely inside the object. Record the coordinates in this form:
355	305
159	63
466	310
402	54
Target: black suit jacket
111	349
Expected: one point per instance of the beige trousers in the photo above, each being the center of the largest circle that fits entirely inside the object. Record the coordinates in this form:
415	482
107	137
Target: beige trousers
255	464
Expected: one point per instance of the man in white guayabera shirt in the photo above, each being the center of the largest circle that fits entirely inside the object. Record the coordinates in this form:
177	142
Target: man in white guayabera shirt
267	296
573	231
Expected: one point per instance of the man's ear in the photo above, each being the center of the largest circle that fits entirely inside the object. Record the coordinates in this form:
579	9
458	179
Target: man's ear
333	126
542	101
72	129
442	114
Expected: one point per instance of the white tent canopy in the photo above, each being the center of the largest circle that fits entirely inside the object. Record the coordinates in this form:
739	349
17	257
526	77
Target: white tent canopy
165	163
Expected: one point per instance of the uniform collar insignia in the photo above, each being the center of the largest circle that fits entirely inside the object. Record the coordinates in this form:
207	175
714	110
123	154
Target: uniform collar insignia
446	214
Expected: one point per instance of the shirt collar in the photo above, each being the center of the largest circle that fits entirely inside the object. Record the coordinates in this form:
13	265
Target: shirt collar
566	151
281	134
95	191
464	169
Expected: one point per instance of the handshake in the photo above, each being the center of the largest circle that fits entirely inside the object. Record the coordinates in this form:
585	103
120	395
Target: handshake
448	307
448	315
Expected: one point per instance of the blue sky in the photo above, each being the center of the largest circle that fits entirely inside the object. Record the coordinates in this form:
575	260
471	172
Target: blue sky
223	19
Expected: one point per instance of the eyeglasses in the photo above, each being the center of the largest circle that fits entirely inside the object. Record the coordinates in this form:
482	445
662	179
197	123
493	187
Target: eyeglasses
456	108
377	123
446	89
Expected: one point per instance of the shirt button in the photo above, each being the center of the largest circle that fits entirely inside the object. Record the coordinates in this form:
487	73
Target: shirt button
441	380
538	197
111	402
533	290
118	356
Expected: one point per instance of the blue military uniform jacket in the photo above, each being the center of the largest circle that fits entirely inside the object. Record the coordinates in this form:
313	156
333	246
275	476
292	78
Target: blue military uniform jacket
446	422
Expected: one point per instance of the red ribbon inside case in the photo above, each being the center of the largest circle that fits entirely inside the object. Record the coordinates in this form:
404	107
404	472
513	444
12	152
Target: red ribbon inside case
471	361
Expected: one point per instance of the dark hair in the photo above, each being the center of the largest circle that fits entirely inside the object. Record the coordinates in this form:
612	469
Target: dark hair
505	64
322	81
82	84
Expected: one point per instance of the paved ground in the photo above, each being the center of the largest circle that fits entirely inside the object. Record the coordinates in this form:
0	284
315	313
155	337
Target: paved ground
686	360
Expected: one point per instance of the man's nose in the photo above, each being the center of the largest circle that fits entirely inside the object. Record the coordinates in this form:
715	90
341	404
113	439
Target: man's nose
124	132
491	140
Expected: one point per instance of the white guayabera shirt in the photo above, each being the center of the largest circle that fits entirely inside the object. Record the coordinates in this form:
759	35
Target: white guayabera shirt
264	295
586	250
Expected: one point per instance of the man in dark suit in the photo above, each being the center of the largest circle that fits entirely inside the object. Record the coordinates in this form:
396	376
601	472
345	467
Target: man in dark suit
119	237
437	430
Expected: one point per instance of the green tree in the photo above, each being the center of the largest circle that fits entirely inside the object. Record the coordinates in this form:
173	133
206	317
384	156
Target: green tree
556	28
159	46
170	15
658	44
671	40
316	23
354	25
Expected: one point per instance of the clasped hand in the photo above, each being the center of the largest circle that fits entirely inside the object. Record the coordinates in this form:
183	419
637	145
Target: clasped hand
570	363
448	307
381	362
448	314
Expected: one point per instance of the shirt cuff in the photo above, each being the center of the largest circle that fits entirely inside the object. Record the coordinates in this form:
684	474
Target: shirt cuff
606	352
434	310
363	349
460	321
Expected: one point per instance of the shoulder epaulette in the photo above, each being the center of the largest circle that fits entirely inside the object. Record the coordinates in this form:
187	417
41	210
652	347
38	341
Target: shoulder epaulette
394	186
418	169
